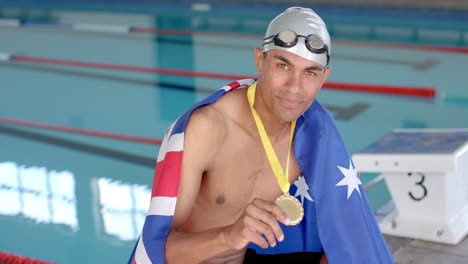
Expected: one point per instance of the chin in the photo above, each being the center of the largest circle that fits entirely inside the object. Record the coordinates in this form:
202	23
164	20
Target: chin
290	116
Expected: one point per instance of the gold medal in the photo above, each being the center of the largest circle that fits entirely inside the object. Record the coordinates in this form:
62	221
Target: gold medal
292	207
289	204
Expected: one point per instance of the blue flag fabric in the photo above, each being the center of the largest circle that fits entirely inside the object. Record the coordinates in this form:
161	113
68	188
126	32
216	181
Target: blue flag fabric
337	216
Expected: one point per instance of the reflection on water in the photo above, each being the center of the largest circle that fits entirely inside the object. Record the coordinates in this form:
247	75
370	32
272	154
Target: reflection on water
123	207
45	196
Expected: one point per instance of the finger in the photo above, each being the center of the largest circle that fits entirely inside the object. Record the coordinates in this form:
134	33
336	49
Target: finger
268	218
274	209
281	215
262	229
251	234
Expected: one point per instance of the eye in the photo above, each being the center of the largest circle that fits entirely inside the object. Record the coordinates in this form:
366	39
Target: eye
311	73
283	66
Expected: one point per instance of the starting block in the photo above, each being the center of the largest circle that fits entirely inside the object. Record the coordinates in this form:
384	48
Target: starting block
426	171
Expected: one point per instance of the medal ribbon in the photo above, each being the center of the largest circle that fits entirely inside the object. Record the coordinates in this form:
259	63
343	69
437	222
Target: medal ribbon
281	177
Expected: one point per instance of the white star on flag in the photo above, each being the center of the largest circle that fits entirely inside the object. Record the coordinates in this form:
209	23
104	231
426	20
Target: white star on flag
302	189
350	179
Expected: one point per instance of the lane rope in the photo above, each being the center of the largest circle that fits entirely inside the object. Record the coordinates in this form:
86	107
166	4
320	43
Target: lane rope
95	133
122	67
382	89
9	258
125	29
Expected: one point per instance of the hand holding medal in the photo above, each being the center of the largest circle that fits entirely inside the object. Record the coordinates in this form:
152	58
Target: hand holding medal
289	204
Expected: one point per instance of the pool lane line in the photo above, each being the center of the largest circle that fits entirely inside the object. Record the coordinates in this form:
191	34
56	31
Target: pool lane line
94	133
125	29
382	89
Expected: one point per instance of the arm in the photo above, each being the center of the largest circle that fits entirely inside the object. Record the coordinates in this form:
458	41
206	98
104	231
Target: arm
201	246
260	217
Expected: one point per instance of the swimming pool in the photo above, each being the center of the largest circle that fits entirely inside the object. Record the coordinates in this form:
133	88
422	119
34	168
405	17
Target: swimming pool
73	198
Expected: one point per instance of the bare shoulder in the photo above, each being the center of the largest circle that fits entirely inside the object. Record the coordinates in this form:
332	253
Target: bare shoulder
211	122
205	125
208	125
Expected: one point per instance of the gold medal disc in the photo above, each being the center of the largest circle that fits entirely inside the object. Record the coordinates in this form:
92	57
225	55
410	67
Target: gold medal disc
292	207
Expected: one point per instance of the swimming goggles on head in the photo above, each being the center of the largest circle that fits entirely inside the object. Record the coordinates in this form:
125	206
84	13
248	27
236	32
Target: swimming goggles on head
289	38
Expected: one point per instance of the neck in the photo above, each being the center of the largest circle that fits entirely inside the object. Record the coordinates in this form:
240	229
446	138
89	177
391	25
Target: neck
274	126
267	121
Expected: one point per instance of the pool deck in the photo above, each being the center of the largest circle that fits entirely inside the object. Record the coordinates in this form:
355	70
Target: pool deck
415	251
412	251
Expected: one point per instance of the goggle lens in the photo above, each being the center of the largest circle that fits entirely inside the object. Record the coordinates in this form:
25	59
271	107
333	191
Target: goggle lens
315	42
288	37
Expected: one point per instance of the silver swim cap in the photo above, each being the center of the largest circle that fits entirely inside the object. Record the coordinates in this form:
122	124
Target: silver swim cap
311	30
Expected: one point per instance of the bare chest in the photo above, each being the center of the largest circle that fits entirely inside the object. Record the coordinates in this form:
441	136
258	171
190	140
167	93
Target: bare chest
240	174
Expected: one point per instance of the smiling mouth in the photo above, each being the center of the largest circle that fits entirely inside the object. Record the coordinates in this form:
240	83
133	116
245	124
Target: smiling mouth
290	102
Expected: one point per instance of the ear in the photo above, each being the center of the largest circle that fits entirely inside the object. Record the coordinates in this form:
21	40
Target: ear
258	56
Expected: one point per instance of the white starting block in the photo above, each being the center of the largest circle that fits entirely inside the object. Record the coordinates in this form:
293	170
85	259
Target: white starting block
426	172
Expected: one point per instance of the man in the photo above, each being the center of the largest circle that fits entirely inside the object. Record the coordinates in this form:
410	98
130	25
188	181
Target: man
229	192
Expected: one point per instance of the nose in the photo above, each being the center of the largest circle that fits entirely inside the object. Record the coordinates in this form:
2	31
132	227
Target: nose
295	83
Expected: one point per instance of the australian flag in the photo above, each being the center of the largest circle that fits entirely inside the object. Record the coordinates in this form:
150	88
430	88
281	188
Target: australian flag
337	221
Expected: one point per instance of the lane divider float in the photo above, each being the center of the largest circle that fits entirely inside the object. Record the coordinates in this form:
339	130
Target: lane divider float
95	133
125	29
9	258
381	89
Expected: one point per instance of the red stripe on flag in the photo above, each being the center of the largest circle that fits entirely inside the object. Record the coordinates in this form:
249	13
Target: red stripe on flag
167	175
233	85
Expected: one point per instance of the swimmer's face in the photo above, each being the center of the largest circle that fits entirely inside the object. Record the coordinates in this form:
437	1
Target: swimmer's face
288	83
